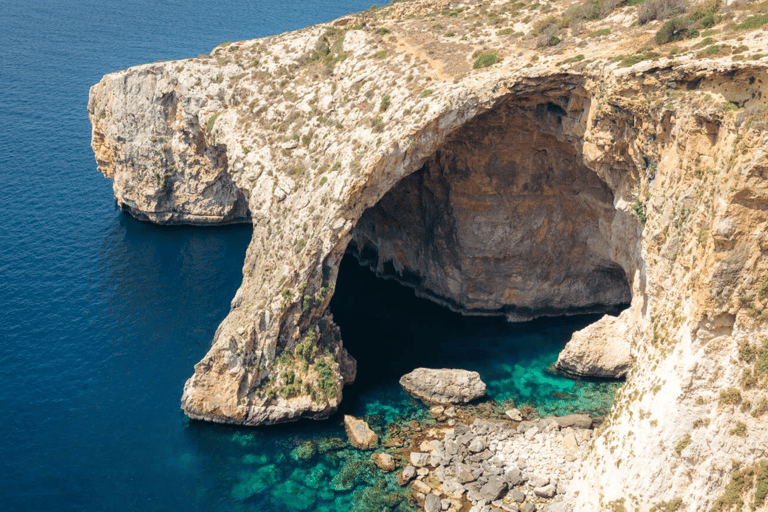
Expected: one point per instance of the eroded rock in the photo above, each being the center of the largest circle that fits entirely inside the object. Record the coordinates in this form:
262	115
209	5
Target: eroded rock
601	349
546	183
443	386
384	461
360	434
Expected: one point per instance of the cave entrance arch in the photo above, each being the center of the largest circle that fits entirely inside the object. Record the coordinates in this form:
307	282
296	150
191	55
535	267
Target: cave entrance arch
503	220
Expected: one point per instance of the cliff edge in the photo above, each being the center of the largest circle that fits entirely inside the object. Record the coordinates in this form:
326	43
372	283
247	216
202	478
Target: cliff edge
501	158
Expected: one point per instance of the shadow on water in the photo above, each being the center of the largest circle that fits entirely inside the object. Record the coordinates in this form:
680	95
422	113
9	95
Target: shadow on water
390	332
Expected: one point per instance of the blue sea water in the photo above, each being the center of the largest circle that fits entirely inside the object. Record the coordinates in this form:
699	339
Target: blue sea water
103	317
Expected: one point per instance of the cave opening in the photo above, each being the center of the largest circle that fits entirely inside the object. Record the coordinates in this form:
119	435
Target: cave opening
390	331
508	230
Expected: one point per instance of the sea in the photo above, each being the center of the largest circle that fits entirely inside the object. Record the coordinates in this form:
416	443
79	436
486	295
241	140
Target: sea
103	317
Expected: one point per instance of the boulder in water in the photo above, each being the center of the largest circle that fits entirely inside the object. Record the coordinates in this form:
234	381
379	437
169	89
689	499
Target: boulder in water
384	460
360	434
443	386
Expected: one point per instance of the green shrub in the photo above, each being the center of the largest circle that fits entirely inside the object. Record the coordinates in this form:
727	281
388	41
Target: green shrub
380	54
589	11
212	121
383	31
753	22
485	59
740	429
626	62
683	444
741	482
675	29
748	379
660	10
761	364
705	42
384	103
668	506
599	33
554	41
426	93
761	489
637	206
730	396
326	379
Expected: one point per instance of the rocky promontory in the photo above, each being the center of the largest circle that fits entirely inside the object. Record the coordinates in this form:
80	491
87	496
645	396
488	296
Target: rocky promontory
510	159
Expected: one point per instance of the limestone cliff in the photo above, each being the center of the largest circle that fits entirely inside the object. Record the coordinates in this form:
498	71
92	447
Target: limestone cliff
500	158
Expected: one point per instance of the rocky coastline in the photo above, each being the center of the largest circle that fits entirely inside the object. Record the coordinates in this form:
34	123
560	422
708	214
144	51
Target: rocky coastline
492	466
496	174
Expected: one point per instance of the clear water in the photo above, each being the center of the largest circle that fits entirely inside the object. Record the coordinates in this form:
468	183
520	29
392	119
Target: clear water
102	317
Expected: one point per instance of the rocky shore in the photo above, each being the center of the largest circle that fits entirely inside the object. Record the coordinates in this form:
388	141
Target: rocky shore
524	166
461	461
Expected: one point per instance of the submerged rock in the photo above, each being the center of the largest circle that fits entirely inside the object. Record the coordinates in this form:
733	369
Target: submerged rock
443	386
360	434
384	461
252	483
305	452
294	496
353	473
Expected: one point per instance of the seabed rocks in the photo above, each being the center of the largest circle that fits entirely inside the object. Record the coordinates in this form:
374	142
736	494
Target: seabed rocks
463	458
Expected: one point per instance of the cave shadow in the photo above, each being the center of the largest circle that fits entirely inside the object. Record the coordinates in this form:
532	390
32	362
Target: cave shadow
391	331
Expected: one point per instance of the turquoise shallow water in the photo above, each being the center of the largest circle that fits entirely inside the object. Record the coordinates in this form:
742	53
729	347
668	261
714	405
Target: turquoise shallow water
309	466
103	317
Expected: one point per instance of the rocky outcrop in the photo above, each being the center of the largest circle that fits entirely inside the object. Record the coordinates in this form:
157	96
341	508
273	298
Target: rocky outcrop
601	349
561	178
360	434
443	386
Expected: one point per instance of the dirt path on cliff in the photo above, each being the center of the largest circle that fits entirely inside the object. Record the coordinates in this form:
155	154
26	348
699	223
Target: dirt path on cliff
436	69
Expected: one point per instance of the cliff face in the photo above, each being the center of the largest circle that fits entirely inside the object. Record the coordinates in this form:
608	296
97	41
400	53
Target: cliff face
557	179
505	218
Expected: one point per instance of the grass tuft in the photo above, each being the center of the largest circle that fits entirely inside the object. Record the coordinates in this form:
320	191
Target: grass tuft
485	59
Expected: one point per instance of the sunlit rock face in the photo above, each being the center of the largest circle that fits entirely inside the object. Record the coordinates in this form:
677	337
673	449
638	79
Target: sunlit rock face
503	219
556	180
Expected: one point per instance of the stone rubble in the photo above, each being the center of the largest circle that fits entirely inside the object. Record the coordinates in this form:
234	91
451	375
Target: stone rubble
500	466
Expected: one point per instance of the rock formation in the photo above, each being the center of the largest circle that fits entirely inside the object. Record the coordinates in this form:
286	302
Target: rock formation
443	386
360	434
499	159
601	349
